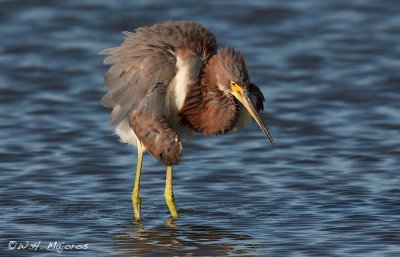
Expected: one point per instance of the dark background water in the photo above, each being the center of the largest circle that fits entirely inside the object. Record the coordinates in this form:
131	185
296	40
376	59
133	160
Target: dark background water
330	71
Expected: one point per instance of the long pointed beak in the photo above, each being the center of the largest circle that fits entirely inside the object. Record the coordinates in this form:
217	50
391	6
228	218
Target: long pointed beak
242	96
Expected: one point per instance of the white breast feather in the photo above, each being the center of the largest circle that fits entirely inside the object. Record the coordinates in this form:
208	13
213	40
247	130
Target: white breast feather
125	133
176	95
179	85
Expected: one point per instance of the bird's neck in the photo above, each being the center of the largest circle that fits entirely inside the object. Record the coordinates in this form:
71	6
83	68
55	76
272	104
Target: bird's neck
206	108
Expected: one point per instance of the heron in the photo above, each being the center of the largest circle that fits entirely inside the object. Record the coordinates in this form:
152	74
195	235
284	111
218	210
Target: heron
168	81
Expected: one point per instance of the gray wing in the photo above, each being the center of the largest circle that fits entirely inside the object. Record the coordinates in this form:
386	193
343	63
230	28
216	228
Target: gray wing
151	126
146	58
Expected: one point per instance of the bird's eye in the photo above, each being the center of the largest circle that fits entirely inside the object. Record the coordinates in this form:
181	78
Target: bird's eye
233	83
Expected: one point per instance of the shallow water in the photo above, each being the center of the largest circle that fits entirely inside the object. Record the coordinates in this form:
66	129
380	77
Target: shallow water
329	187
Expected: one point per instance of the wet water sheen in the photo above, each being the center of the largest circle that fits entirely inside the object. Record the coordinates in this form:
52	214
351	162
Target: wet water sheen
329	187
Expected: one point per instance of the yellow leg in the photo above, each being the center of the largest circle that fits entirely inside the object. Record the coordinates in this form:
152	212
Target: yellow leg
135	193
169	194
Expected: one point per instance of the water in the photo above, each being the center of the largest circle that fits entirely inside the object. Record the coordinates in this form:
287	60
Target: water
329	187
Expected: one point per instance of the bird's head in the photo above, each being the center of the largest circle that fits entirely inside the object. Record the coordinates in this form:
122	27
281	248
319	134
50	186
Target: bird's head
233	78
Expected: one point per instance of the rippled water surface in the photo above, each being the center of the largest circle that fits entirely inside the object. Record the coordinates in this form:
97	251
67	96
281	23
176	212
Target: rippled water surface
329	187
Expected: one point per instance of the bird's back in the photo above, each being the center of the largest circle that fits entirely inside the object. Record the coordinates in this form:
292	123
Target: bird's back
151	56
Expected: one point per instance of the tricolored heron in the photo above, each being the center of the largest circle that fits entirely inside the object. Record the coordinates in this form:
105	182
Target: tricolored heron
168	81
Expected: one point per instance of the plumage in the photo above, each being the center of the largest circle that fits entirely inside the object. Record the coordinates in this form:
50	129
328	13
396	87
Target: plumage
173	55
168	81
136	63
151	126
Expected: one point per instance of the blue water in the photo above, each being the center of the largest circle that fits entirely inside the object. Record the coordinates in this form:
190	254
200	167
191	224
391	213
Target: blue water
329	187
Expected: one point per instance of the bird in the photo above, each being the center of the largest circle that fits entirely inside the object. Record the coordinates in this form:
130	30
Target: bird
170	80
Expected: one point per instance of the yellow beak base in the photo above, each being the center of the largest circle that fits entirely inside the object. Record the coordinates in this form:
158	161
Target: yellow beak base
239	93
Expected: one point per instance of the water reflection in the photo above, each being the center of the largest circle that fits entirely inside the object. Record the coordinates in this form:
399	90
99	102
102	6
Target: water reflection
174	239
